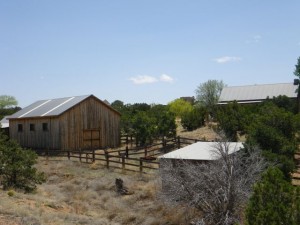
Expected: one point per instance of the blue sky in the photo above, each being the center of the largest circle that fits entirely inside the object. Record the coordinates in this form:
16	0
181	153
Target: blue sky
151	51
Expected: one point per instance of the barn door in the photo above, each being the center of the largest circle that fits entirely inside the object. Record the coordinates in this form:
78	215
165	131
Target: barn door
91	139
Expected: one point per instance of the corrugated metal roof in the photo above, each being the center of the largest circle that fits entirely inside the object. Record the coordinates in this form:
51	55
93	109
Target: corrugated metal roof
257	92
50	107
200	151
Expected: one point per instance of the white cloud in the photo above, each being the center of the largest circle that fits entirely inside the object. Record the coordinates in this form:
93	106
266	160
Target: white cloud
143	79
255	39
166	78
227	59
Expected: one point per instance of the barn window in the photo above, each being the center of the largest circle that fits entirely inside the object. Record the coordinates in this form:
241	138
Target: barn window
32	127
20	127
45	126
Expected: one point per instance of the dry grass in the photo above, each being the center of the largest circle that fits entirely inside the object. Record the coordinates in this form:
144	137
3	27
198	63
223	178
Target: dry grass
78	193
206	132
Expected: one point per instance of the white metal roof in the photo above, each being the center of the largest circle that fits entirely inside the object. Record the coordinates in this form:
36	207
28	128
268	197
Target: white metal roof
4	123
200	151
257	93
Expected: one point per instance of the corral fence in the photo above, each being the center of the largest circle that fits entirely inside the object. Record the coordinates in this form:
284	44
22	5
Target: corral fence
142	159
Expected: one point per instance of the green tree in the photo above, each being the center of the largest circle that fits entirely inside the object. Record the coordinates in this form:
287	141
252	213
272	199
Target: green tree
8	111
143	128
208	93
17	166
297	81
165	121
274	201
233	119
8	105
128	113
118	105
7	101
274	129
136	107
180	107
193	119
146	122
297	68
282	101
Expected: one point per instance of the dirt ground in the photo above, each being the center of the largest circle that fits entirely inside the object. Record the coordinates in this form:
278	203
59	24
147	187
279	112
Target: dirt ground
9	220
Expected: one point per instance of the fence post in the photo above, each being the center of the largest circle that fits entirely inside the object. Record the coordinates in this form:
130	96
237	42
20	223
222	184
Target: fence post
146	151
69	156
94	155
127	154
107	159
47	155
141	165
123	162
178	142
80	154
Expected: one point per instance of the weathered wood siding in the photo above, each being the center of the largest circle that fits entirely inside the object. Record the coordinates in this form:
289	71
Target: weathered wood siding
37	138
90	124
92	116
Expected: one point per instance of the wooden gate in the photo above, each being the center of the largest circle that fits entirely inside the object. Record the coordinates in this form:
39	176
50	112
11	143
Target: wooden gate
91	139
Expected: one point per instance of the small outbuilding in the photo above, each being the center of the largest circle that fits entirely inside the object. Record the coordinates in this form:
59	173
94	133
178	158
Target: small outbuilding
257	93
199	152
173	165
71	123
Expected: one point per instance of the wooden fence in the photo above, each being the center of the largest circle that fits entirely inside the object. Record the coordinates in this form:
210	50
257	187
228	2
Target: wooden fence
138	159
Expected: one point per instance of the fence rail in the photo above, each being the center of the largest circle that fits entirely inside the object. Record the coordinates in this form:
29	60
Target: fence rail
139	159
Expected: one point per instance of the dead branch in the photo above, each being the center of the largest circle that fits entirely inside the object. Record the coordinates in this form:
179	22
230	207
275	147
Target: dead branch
219	188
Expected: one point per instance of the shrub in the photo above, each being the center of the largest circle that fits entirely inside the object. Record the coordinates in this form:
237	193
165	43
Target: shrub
232	119
16	166
146	122
274	129
180	107
11	193
144	128
193	119
274	201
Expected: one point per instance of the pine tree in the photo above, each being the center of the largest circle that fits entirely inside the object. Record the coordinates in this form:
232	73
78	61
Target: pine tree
274	201
16	166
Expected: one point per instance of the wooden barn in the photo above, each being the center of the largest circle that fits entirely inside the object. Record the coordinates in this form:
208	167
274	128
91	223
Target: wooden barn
72	123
